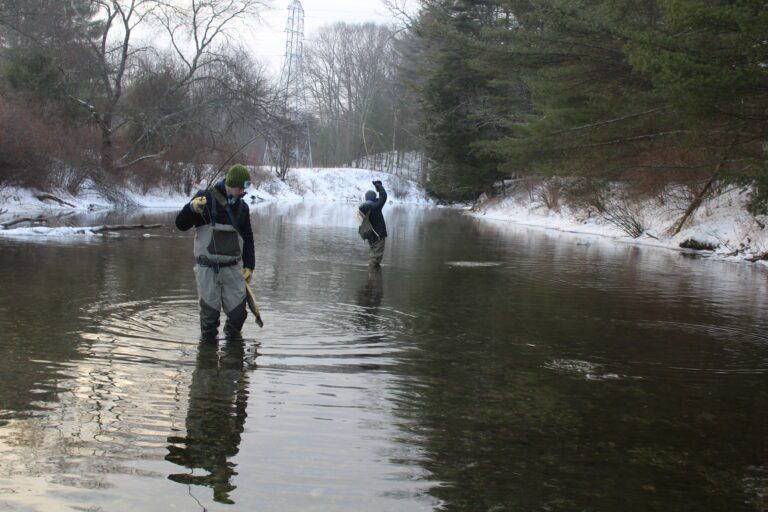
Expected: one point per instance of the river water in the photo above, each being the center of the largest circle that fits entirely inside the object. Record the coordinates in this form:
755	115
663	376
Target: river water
486	367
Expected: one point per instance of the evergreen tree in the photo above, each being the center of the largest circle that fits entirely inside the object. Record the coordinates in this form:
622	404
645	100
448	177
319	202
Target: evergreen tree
592	113
454	92
709	59
666	89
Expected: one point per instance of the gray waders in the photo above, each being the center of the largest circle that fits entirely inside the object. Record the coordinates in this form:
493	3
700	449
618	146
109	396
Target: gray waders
220	283
376	253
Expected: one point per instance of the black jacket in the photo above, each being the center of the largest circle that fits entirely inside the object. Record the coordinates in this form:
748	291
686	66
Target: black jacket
376	217
187	218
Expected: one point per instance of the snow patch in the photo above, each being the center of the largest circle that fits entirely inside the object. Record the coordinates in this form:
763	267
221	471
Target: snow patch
40	231
472	264
722	222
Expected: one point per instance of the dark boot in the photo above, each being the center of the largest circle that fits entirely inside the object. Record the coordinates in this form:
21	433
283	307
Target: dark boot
208	336
209	322
235	320
230	332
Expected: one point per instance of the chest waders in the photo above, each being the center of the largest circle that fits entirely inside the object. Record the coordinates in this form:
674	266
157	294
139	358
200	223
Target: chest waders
220	284
375	241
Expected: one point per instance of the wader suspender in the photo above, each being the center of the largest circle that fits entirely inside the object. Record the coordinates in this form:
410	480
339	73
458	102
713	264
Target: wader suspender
367	218
223	201
219	198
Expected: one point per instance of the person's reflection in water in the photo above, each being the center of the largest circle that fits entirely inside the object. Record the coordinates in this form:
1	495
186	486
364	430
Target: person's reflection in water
216	416
369	299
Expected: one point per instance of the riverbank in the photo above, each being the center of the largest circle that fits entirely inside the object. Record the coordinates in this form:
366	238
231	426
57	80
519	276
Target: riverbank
47	211
721	228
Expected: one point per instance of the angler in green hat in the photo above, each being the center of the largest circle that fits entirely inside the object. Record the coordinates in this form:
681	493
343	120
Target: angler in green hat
223	250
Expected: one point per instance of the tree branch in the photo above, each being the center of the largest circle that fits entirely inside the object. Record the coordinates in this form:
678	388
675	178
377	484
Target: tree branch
609	121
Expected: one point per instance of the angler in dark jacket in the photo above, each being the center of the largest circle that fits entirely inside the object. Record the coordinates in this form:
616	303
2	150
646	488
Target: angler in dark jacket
372	208
223	241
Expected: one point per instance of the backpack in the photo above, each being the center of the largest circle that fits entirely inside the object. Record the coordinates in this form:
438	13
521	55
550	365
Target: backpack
365	230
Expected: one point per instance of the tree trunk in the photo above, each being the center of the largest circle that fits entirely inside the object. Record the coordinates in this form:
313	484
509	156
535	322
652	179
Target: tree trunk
107	150
707	186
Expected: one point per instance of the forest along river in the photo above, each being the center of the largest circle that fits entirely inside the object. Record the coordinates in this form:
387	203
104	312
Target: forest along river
487	366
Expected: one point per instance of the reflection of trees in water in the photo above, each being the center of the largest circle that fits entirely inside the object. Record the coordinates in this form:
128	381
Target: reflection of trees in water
500	430
493	435
66	312
215	420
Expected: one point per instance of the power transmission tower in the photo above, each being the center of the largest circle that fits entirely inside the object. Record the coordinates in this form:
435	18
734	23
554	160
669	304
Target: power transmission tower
292	147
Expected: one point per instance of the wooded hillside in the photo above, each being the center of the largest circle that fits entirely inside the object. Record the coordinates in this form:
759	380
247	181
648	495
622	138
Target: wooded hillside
650	92
139	91
643	92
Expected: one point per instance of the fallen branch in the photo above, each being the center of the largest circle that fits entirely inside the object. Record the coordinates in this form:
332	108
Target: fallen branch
124	227
49	197
40	219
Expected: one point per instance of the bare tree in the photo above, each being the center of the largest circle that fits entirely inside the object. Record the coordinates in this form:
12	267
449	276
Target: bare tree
372	59
350	67
328	80
198	32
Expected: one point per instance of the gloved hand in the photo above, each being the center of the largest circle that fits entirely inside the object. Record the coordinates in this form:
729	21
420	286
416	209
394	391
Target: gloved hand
377	184
247	273
198	204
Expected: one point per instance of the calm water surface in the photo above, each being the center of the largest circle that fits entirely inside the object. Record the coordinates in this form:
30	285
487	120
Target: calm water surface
486	367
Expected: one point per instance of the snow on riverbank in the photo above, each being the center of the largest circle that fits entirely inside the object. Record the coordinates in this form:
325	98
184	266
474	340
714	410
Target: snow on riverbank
327	184
332	184
722	223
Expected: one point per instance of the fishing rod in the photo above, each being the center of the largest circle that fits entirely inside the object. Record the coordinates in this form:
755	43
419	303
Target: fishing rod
238	150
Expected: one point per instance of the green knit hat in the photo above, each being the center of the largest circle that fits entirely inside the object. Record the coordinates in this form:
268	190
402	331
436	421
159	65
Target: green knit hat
237	176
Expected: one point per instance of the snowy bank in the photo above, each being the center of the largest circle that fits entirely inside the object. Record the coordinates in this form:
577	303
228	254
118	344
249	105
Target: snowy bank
332	184
17	202
721	226
311	185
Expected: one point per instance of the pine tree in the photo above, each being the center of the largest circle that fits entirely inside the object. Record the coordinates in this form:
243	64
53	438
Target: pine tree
453	95
710	61
667	89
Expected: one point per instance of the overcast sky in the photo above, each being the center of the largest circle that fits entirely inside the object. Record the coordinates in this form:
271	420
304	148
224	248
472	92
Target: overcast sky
268	39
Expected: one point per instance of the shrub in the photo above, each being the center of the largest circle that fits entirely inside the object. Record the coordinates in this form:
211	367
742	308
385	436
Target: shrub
758	196
26	146
549	195
295	184
586	194
529	185
260	176
697	245
398	188
624	216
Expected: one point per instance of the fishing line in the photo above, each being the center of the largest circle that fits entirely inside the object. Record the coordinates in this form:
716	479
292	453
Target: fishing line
238	150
